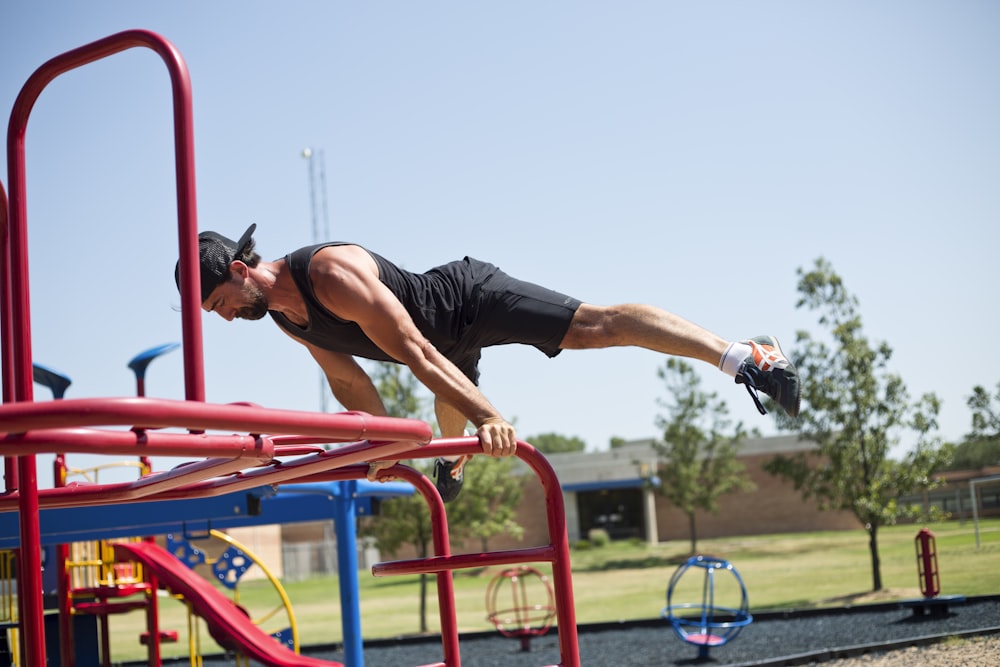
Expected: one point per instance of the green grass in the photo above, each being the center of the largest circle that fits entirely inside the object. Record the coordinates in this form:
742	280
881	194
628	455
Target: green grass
628	581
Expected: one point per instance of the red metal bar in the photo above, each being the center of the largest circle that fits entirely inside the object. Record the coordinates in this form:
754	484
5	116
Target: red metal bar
192	480
159	412
6	337
129	443
433	564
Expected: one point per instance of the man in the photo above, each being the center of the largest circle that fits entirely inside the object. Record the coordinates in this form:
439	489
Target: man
342	301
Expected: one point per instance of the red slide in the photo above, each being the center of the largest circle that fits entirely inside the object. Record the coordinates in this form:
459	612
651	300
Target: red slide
224	618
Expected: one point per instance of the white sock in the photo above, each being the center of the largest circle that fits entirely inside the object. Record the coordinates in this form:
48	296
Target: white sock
733	357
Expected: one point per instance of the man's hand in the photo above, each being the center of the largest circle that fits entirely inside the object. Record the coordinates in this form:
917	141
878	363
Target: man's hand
497	437
375	466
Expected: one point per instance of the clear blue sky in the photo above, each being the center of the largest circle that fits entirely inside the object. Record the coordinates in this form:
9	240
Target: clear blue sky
689	155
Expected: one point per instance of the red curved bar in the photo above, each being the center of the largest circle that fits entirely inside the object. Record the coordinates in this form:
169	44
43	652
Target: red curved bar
15	297
556	552
186	202
439	535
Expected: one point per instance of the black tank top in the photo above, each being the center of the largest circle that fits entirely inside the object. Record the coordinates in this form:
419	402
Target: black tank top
442	303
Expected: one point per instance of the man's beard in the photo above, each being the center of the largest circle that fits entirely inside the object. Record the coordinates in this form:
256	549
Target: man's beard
256	307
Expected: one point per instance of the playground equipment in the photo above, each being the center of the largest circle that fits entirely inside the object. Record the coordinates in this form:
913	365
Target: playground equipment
932	603
927	566
706	623
228	569
279	446
523	619
106	590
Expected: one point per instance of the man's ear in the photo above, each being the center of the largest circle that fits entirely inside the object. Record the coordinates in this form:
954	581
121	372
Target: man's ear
238	268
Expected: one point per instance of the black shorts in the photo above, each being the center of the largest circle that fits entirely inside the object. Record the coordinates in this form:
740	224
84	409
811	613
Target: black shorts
510	311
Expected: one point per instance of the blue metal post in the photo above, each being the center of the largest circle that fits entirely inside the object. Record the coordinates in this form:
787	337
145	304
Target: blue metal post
344	517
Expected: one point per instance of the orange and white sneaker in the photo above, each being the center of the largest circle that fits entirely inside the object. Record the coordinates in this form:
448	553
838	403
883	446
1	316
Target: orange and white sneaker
767	369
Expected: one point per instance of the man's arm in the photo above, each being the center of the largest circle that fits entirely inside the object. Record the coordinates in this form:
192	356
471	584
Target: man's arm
345	280
349	383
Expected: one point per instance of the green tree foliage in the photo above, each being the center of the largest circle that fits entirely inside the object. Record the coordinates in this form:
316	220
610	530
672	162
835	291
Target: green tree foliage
985	416
553	443
700	449
400	391
981	447
403	520
854	409
488	504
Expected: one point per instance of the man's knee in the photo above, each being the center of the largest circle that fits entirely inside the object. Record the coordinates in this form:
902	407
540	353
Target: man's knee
591	327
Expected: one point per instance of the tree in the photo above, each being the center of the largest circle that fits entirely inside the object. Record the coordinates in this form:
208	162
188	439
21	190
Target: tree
403	520
981	446
553	443
702	462
854	409
488	504
985	417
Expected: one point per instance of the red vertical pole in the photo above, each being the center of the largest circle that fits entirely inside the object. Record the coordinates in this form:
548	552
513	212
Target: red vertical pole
562	575
63	583
152	619
6	333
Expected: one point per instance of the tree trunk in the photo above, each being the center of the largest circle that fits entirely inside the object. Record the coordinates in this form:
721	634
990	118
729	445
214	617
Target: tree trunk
423	602
876	564
694	536
423	590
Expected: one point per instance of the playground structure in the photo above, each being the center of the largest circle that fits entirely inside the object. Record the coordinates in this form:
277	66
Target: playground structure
261	449
525	617
932	602
705	622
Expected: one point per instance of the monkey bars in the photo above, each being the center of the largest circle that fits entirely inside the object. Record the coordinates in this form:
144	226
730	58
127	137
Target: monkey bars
271	446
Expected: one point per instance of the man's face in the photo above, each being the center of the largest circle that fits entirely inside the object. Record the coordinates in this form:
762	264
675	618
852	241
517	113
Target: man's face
237	299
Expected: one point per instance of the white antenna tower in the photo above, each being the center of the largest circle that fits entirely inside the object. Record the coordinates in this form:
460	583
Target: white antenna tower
318	235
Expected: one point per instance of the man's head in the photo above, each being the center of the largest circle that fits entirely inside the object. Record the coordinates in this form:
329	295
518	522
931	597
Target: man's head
216	253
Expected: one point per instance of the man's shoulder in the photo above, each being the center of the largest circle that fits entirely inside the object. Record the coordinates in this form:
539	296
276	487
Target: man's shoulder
327	258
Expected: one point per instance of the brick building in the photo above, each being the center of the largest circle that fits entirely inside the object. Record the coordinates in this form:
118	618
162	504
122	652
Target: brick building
614	490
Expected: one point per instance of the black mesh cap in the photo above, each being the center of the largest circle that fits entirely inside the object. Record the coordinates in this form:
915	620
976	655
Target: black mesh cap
216	253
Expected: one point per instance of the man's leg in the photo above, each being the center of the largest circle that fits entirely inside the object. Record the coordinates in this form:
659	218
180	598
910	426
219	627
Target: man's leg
643	326
448	475
758	362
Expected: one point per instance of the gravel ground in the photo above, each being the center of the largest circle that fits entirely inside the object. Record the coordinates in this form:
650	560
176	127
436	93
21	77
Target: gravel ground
841	638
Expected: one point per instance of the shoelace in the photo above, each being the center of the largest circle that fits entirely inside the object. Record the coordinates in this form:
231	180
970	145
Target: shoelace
756	401
744	380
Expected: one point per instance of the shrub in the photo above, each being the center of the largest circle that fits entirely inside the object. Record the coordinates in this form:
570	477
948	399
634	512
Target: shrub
598	537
